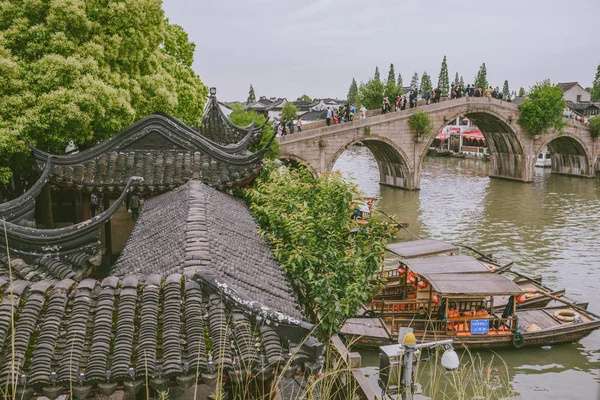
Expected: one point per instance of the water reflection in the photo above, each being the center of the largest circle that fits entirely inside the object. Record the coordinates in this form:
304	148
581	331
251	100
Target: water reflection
550	227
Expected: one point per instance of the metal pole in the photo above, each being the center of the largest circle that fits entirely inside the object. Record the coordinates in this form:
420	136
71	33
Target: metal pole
407	378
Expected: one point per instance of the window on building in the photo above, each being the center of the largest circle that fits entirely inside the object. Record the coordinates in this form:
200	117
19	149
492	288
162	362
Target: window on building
578	98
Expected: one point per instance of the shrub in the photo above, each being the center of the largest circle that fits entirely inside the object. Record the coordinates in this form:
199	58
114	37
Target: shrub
331	262
594	124
420	122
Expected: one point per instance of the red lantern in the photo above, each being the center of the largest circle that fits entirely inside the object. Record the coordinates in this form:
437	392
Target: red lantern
422	284
521	299
401	271
435	300
412	279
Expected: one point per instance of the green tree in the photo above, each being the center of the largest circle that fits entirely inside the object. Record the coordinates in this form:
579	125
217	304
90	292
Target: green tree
594	124
75	71
443	81
376	76
399	85
289	111
595	92
241	117
251	96
391	75
425	83
414	82
481	79
522	92
461	82
331	262
353	92
543	109
505	88
371	93
306	97
456	80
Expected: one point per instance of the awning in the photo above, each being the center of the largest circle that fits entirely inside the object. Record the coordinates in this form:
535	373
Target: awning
474	135
445	265
421	248
472	284
441	136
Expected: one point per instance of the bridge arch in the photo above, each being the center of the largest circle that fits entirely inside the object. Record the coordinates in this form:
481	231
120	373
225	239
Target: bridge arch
507	153
295	160
569	155
392	161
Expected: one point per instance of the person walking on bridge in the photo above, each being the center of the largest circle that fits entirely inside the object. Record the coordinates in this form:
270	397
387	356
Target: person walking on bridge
363	111
329	116
427	96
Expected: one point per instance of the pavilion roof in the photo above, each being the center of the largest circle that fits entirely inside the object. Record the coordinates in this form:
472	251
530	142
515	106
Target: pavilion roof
166	153
421	248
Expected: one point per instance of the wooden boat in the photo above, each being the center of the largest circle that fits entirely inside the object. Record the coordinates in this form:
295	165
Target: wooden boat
418	254
460	306
364	207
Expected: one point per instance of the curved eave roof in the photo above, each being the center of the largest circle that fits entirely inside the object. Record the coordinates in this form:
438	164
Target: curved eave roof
165	152
55	253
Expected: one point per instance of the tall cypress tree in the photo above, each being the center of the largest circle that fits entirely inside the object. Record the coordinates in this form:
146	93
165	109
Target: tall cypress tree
456	80
353	92
595	92
425	83
443	81
399	85
481	79
391	75
461	82
522	92
505	88
414	82
377	77
251	96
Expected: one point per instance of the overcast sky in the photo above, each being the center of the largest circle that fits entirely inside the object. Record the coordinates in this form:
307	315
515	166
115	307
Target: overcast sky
286	48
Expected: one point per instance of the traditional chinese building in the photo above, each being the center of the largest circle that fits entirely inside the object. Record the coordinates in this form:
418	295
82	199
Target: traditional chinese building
195	297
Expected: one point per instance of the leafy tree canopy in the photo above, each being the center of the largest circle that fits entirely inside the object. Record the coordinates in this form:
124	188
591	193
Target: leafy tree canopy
505	88
371	93
241	117
595	91
414	82
522	92
289	111
425	83
399	85
79	71
308	222
305	97
542	109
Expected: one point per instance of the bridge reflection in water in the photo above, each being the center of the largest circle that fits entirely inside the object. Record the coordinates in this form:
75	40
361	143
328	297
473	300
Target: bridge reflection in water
399	153
550	228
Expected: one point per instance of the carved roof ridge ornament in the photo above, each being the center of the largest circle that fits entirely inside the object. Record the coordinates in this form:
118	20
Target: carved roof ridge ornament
21	209
35	242
226	132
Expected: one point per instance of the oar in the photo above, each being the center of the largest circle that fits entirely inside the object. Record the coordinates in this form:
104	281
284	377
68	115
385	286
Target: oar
561	300
399	224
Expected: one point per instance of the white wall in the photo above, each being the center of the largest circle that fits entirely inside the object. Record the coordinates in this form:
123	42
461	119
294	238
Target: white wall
571	94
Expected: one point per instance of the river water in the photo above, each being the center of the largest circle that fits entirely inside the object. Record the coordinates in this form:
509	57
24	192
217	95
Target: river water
550	228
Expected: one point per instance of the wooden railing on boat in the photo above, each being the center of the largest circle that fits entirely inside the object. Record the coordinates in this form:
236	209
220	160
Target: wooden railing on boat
449	327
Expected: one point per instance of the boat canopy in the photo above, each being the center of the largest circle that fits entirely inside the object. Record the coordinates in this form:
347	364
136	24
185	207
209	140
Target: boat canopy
445	265
472	284
421	248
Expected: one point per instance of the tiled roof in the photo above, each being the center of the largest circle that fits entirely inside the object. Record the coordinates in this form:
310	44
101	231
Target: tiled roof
200	228
314	115
124	332
567	85
163	151
582	106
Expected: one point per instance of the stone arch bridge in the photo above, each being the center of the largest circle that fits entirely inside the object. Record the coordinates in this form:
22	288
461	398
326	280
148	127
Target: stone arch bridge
399	153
